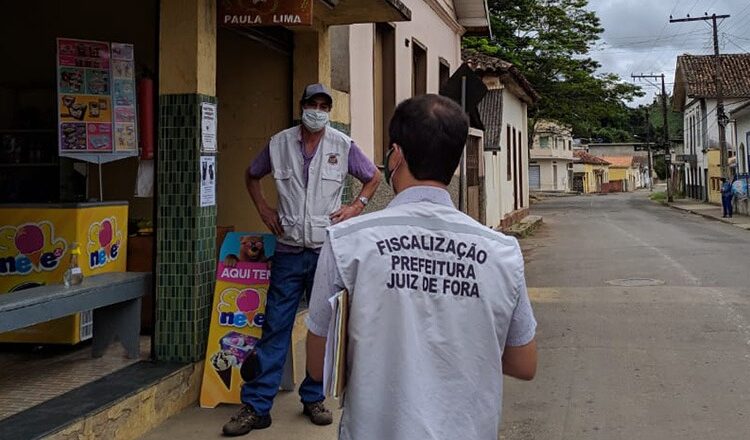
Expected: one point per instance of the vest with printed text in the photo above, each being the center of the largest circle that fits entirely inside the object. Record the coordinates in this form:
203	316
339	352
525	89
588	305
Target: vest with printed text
432	296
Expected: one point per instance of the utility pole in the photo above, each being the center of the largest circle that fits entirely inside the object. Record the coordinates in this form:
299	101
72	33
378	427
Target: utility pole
666	144
650	157
721	118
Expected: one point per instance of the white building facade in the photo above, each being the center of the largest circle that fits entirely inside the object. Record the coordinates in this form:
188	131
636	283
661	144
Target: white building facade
551	162
695	96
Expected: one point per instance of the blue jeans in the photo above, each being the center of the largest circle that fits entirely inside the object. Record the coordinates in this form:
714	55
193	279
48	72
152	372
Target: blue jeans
291	276
726	204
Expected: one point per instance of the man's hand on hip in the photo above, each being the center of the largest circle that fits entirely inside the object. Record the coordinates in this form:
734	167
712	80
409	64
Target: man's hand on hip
347	212
271	218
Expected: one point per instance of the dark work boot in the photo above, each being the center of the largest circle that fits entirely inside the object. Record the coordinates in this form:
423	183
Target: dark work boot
245	421
317	413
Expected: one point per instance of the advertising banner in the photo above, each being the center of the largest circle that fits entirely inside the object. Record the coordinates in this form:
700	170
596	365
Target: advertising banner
96	97
123	72
35	246
237	314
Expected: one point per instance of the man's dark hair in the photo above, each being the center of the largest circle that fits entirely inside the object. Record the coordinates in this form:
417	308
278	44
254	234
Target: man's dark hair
431	131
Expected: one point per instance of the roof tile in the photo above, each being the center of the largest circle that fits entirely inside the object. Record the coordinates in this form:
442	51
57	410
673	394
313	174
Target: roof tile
619	161
589	158
699	70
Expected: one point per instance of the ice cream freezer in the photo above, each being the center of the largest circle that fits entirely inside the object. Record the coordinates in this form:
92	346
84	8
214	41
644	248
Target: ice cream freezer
35	245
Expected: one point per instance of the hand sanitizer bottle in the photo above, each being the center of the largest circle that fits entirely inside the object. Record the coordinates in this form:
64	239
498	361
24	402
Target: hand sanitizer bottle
73	276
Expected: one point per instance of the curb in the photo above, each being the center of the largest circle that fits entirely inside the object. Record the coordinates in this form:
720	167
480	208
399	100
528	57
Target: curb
525	227
707	216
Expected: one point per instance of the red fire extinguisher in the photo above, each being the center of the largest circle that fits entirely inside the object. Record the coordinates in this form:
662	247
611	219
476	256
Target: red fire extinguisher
145	89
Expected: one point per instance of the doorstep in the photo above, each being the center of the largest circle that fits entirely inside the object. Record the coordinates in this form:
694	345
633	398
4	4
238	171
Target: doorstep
120	406
127	404
525	227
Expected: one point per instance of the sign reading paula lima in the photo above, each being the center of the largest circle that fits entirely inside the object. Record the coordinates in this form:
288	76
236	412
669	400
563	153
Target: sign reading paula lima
249	13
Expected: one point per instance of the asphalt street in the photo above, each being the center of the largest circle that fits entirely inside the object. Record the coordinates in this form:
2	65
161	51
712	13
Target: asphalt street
644	324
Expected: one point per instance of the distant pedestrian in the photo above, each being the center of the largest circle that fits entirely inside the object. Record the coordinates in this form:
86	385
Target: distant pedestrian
727	193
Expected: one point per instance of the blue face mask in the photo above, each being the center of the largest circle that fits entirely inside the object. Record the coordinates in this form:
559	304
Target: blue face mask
314	120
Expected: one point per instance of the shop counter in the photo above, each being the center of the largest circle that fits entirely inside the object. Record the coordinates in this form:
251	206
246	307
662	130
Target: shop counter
35	245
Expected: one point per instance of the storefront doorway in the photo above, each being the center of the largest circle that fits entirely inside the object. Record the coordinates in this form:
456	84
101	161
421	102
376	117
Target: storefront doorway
254	88
61	198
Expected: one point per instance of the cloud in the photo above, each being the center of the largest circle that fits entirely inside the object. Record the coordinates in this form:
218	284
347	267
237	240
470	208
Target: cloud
638	37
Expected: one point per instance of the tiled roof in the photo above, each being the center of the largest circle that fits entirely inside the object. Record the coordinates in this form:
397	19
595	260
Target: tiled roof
483	63
491	112
696	72
480	62
619	161
590	159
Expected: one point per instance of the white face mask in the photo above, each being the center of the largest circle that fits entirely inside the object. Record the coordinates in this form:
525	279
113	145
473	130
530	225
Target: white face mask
314	119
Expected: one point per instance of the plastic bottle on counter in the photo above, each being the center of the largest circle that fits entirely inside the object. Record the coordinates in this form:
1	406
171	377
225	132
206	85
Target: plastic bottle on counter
73	276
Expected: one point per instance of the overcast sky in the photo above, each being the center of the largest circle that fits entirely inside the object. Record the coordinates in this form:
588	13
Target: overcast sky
638	37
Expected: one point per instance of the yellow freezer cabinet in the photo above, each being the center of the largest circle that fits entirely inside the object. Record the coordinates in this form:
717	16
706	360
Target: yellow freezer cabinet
35	244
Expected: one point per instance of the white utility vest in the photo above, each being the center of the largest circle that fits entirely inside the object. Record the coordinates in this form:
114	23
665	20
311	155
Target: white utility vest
432	296
304	211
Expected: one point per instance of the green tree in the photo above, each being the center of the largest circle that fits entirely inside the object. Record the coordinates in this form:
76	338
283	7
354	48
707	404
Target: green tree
549	42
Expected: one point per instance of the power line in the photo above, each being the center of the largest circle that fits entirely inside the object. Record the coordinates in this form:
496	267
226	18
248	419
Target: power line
740	18
711	5
736	45
648	56
674	8
651	37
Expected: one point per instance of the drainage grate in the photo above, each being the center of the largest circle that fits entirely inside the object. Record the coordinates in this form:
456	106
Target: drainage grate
636	282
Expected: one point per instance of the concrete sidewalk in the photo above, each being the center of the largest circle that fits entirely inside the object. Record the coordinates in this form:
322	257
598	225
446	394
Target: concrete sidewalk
197	423
710	211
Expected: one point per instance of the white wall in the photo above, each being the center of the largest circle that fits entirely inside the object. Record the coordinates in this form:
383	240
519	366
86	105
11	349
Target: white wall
361	98
743	137
702	131
514	113
547	175
494	172
426	27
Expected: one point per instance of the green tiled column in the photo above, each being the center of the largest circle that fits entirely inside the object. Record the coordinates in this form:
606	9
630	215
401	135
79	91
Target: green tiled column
186	234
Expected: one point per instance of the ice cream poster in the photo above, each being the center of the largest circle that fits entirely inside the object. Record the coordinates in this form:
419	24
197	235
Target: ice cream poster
237	315
29	248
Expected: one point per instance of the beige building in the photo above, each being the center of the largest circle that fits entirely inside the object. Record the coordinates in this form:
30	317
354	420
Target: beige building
390	62
551	165
503	112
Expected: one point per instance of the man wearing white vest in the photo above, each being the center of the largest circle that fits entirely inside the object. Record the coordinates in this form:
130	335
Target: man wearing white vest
438	303
309	164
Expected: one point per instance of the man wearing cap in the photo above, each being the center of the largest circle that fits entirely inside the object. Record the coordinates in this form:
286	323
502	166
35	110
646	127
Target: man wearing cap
309	164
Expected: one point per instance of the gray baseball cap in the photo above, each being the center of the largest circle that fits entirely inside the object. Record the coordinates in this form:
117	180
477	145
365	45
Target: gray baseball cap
316	89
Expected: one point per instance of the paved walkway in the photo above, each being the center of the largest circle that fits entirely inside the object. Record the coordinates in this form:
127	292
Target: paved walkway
288	422
711	212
